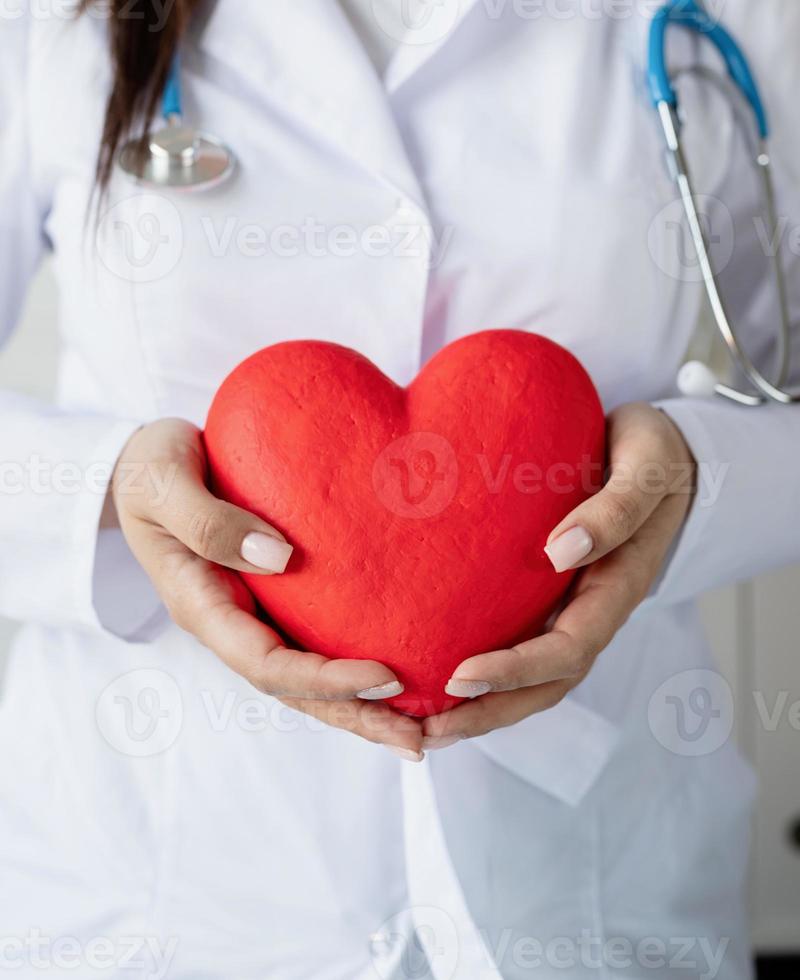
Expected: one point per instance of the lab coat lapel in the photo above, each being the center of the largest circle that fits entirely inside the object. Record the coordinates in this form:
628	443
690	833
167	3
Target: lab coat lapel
424	26
304	60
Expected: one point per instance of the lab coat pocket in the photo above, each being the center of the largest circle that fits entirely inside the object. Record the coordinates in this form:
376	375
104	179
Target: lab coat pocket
673	859
508	864
561	751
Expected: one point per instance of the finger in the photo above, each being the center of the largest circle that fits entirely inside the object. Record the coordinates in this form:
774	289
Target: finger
202	599
537	661
485	714
376	723
640	440
221	532
586	626
605	595
173	494
610	590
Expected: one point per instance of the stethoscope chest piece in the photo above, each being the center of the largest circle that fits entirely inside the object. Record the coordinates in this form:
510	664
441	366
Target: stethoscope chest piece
178	157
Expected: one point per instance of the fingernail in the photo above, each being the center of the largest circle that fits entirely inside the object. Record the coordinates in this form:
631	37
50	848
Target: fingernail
264	551
432	742
467	689
408	754
569	548
390	690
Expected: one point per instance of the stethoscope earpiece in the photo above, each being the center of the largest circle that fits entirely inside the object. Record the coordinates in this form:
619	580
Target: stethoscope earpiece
697	380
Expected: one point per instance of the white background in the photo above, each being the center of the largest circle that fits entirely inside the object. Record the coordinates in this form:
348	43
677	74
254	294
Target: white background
755	630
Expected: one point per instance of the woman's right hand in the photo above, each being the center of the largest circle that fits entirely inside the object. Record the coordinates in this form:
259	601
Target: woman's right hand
191	544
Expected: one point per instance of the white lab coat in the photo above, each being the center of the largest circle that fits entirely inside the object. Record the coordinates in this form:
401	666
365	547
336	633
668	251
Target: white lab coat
150	801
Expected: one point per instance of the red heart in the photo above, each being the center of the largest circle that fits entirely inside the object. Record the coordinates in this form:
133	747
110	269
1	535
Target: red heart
418	515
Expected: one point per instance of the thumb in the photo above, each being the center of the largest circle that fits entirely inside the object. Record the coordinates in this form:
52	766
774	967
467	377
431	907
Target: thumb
218	531
606	520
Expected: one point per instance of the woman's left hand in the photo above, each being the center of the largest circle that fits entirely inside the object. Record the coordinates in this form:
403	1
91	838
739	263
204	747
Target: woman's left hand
622	536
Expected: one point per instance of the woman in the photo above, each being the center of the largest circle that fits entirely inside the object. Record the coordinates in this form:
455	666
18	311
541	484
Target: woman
192	800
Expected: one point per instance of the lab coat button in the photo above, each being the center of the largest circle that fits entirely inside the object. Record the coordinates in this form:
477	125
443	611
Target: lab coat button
381	942
382	946
404	209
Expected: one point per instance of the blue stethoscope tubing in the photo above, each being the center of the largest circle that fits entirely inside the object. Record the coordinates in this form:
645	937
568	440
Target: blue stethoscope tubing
172	99
688	14
696	378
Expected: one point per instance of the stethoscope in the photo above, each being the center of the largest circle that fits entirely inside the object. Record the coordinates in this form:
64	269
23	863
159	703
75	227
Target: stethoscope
180	157
177	157
696	378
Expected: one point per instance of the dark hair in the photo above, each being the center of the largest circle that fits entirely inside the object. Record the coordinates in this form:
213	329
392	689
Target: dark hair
143	43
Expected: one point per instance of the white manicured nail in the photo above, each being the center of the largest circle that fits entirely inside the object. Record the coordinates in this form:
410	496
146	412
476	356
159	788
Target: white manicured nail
569	548
467	689
408	754
264	551
440	741
390	690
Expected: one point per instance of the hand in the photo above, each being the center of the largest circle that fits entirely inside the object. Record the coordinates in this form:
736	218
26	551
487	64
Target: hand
191	544
620	537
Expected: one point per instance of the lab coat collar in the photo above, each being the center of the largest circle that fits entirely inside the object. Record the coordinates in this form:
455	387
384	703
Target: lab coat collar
304	60
423	34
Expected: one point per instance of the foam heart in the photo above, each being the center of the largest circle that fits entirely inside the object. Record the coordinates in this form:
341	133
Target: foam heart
418	515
